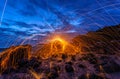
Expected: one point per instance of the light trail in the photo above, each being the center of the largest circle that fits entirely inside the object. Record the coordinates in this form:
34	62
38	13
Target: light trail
3	12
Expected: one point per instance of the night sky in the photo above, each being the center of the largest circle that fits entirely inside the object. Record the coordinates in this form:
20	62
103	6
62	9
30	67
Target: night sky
30	19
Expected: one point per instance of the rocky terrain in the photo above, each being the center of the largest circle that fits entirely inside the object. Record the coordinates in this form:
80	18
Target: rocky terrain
99	58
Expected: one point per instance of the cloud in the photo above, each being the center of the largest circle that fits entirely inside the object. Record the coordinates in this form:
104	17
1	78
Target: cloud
24	18
29	10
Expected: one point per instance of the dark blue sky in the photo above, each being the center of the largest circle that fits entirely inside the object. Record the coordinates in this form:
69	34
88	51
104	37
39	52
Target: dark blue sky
21	19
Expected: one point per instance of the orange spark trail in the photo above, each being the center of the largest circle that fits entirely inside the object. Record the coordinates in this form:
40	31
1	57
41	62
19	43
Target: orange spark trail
56	47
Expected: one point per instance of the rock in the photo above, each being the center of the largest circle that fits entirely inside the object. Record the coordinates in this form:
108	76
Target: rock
46	70
18	54
59	61
85	49
90	57
23	63
111	67
81	66
69	68
14	55
9	70
90	76
108	66
56	68
16	77
34	63
23	66
19	76
70	63
23	70
73	58
42	76
64	56
53	75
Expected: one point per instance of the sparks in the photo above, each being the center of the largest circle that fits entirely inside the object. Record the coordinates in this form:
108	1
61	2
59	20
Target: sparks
58	43
57	46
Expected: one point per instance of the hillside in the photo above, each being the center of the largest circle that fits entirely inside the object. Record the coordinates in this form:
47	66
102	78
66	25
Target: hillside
107	38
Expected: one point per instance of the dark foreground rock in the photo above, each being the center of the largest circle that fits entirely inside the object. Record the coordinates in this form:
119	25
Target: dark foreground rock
90	76
108	67
10	59
53	75
69	68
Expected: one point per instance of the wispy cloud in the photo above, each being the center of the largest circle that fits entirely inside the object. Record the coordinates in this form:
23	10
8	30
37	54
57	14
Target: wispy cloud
24	18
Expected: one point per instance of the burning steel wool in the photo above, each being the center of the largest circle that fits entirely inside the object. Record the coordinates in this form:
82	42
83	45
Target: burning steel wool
58	43
57	47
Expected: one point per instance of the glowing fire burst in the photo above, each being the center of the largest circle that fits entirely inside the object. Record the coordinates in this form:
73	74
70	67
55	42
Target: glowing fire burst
58	44
56	47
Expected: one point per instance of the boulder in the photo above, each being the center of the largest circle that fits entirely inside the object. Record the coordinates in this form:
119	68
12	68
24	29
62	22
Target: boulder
69	68
13	56
53	75
108	66
90	76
